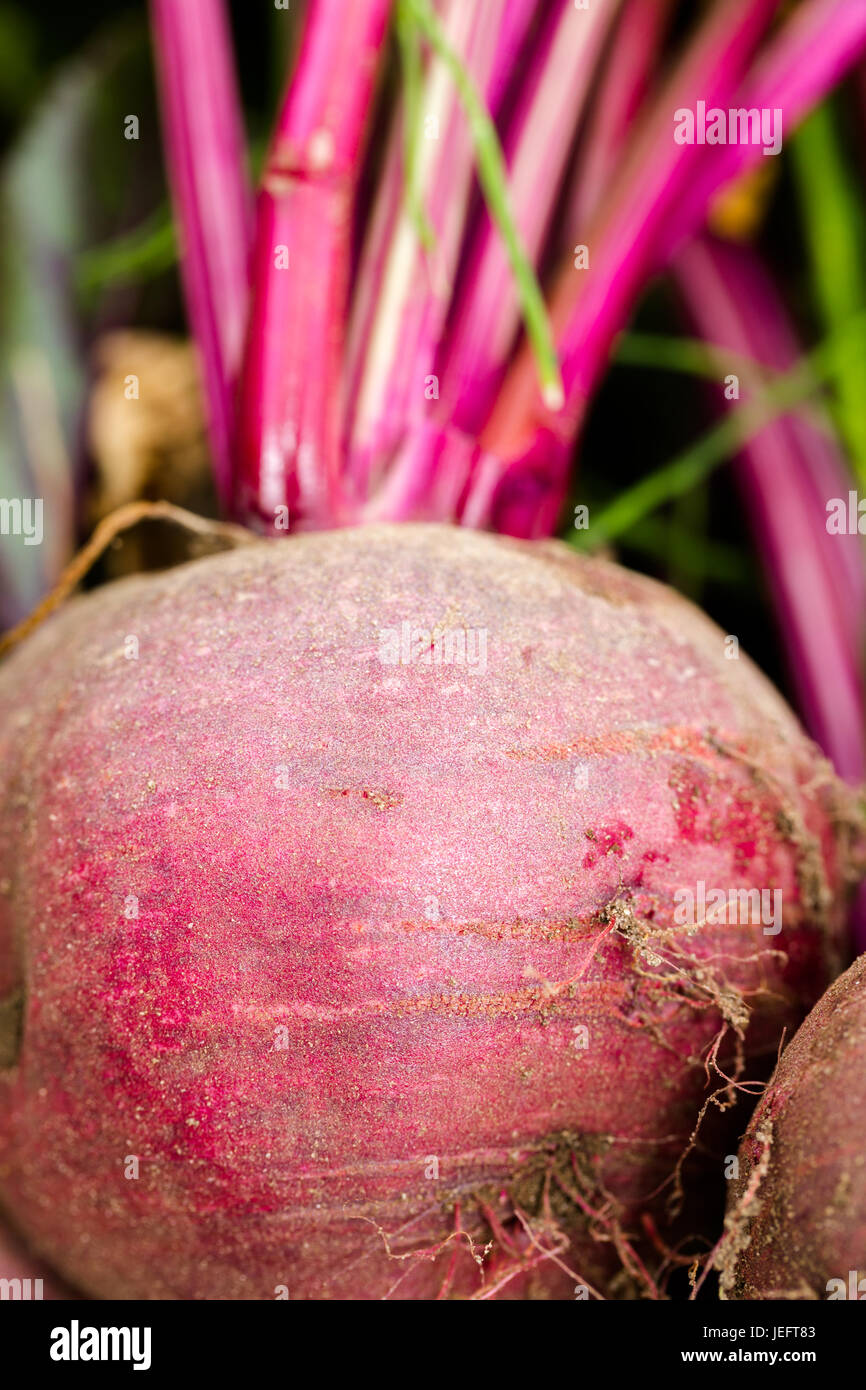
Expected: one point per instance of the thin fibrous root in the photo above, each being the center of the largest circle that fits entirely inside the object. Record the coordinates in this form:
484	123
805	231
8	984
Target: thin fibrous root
111	526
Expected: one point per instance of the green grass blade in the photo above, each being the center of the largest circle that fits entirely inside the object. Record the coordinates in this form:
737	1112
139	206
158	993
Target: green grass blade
721	442
409	40
691	356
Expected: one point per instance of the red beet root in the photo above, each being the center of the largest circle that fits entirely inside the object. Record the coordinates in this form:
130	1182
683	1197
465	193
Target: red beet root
347	952
796	1225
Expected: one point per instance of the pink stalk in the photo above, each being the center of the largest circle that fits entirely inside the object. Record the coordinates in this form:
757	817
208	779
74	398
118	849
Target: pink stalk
205	154
290	404
788	473
387	214
518	19
537	147
626	80
427	479
409	490
399	324
819	44
590	307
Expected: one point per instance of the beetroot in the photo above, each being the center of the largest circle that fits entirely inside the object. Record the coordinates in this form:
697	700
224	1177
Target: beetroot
341	887
796	1224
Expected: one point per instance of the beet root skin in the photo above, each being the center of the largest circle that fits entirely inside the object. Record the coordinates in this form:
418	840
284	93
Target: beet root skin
362	979
796	1223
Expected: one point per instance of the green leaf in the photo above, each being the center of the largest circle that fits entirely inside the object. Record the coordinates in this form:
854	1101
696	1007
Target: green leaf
139	255
692	356
42	377
409	40
699	558
47	208
831	207
723	441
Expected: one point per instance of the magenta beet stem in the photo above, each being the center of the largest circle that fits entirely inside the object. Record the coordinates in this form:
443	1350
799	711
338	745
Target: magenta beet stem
814	49
290	416
519	21
427	479
627	78
204	143
788	473
818	45
404	289
538	141
590	306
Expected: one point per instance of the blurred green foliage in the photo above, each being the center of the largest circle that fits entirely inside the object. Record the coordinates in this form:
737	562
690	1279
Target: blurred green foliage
831	208
19	67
